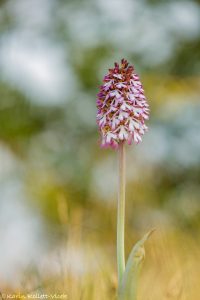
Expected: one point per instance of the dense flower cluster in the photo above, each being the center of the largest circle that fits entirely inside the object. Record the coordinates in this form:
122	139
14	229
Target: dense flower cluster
122	107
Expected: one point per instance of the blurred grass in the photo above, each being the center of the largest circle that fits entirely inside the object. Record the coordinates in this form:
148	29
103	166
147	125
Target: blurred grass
171	271
84	269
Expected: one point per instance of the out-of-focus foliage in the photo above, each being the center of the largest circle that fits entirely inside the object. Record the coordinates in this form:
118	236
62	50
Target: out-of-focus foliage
56	184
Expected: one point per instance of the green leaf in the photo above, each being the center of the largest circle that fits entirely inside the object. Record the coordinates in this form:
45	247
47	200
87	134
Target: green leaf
128	286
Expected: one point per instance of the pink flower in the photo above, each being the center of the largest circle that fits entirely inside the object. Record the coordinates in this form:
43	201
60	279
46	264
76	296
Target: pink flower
122	107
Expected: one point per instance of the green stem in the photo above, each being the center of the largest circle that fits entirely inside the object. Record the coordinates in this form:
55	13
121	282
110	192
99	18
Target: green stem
121	214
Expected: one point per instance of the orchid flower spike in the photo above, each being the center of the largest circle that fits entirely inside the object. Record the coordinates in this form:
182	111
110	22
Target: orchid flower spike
122	107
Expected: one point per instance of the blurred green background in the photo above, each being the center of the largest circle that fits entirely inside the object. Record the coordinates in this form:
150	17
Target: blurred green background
58	189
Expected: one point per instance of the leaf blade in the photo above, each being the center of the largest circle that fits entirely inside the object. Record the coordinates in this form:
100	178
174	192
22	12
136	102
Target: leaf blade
128	286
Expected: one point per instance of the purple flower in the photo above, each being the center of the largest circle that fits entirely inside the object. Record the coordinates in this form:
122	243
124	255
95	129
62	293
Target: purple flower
122	107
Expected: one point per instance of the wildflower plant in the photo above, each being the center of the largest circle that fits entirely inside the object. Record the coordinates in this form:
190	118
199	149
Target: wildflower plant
122	110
